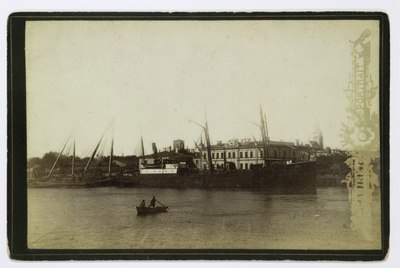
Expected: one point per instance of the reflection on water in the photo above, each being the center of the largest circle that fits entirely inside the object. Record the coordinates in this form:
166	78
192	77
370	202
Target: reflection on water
105	218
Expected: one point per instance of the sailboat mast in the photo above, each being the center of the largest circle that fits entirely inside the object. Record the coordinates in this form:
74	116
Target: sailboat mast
264	135
55	162
255	141
210	164
201	151
94	153
141	141
111	153
73	159
267	135
208	144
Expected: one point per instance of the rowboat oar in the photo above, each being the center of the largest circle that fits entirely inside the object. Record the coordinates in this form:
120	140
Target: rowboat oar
161	204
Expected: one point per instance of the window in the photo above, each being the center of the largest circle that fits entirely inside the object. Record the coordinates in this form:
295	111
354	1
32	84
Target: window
284	154
212	155
217	155
229	154
246	166
275	154
233	155
246	155
261	153
251	154
241	166
241	154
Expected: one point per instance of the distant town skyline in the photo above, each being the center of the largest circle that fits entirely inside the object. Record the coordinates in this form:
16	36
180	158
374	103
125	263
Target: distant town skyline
155	78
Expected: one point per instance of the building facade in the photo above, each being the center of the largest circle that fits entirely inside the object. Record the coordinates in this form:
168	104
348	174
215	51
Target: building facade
241	154
235	154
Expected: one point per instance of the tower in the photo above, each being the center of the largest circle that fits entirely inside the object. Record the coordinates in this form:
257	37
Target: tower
179	145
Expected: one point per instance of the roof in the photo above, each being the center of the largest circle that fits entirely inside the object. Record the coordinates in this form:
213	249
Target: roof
170	154
254	144
314	144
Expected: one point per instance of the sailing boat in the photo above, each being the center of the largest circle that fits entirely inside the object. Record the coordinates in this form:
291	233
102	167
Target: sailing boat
60	180
58	157
101	181
83	179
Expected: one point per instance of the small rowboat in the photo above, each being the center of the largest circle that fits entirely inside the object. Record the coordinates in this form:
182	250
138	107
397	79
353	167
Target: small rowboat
147	210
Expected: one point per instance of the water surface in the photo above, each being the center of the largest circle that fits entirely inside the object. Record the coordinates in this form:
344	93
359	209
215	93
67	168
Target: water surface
105	218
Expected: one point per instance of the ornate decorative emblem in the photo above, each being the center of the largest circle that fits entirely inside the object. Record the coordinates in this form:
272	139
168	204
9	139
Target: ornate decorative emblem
361	135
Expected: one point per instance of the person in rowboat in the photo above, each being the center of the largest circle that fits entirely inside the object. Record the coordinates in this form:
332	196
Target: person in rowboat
142	204
153	202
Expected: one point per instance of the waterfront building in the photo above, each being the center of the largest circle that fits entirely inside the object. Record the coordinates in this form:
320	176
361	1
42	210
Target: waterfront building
236	154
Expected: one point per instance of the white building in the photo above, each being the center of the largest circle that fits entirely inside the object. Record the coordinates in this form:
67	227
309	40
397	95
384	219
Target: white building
241	154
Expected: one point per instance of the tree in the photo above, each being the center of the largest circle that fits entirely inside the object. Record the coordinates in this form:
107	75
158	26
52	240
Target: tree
34	161
338	158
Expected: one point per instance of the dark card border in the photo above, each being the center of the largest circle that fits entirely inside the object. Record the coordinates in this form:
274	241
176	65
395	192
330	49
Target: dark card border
17	143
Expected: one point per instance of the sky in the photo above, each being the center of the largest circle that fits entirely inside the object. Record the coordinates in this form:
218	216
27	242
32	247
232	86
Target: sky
155	78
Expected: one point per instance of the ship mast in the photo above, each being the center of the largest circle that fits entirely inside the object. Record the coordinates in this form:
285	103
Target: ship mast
208	143
206	133
55	162
111	153
73	159
94	153
200	150
267	135
264	134
141	141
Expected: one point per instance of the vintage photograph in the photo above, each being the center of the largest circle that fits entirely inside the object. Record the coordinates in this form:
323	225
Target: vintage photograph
252	132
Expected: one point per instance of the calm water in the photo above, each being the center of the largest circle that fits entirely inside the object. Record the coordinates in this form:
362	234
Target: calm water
105	218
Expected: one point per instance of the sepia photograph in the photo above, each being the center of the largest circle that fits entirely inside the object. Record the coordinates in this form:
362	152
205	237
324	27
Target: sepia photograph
198	136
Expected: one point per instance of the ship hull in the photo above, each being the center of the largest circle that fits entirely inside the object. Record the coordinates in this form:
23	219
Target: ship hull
148	210
72	183
297	178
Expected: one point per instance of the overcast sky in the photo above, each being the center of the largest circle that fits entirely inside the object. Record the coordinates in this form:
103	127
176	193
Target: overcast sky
153	77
